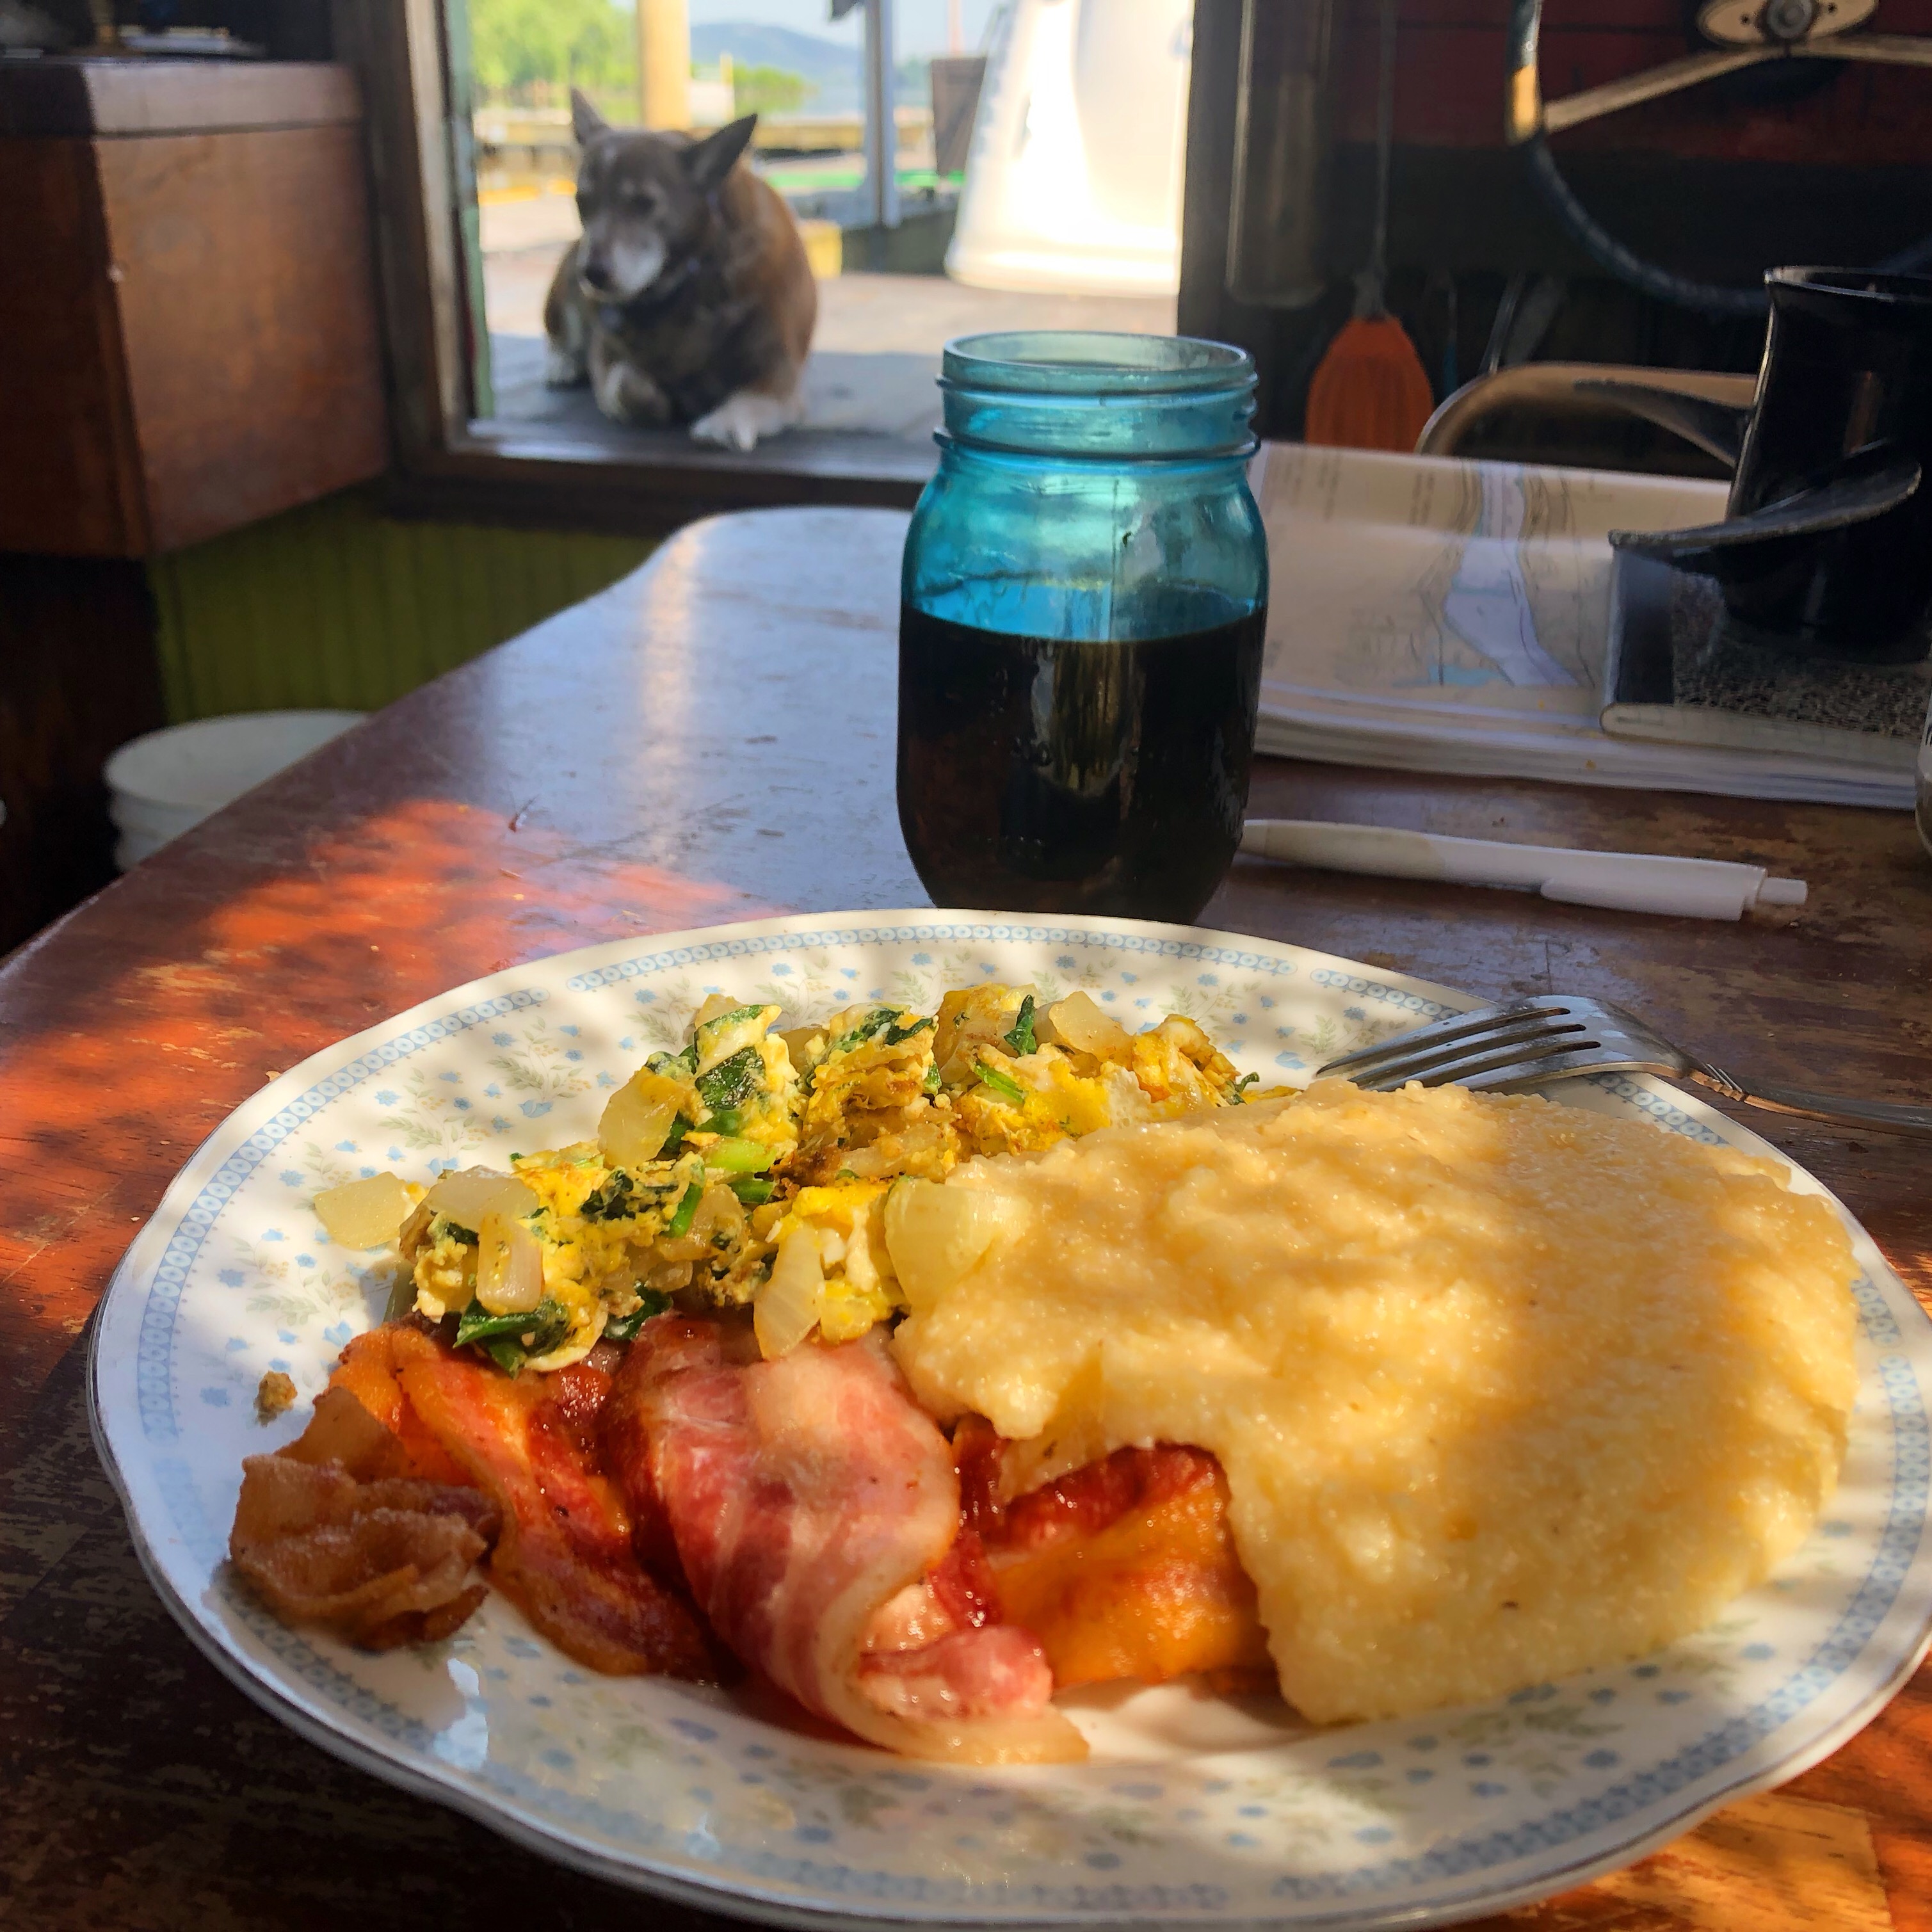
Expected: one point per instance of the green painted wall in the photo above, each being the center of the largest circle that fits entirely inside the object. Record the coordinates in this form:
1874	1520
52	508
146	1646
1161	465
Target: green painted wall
337	605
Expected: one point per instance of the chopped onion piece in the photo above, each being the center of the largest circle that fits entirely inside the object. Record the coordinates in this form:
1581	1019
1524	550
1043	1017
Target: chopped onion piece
786	1309
806	1046
1077	1021
509	1266
467	1197
685	1248
365	1213
637	1120
1126	1098
721	1212
936	1234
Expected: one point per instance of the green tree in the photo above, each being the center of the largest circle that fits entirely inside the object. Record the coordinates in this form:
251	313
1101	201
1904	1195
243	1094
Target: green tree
586	43
912	81
768	90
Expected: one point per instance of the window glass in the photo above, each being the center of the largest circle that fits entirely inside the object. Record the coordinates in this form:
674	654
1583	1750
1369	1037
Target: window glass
1035	182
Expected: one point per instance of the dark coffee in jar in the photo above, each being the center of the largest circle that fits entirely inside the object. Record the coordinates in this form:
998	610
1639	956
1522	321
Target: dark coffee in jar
1055	775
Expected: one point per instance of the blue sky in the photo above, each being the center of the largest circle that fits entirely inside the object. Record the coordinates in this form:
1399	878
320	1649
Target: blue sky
920	24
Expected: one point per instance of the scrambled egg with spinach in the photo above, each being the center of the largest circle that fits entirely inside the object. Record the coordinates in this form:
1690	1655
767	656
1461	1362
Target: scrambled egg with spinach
753	1165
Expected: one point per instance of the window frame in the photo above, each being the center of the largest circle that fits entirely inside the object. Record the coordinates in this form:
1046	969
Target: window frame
445	462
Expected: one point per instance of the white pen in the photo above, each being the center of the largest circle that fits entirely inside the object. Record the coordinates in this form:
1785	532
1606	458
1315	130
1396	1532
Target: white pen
1628	881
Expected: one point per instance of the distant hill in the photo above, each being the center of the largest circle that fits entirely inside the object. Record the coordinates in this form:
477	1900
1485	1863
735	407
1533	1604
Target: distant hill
833	70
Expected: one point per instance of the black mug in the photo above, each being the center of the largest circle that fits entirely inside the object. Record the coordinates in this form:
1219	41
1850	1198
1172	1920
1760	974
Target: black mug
1826	546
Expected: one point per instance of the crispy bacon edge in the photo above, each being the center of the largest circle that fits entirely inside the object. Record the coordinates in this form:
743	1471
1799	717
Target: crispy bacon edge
339	1529
566	1556
1125	1567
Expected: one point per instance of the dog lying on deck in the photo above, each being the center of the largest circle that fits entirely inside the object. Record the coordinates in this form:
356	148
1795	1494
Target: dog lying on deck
688	299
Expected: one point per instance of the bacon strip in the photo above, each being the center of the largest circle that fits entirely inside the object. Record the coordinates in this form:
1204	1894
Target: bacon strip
565	1554
803	1494
384	1562
370	1371
971	1674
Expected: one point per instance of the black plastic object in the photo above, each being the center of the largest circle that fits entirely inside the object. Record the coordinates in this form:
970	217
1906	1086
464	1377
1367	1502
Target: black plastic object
1827	545
1768	562
1868	483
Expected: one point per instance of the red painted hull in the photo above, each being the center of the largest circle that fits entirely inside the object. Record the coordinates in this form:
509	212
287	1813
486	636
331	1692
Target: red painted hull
1450	55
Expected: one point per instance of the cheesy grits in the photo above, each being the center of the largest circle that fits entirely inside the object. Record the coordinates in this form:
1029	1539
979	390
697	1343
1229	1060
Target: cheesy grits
1501	1388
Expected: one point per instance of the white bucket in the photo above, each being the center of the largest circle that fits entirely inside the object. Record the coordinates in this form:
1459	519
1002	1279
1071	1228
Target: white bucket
1073	181
159	785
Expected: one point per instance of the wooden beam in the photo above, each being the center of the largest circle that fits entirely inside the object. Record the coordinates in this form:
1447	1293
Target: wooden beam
396	49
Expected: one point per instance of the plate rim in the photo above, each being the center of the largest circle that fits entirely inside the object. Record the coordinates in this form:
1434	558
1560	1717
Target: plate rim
767	1908
744	1893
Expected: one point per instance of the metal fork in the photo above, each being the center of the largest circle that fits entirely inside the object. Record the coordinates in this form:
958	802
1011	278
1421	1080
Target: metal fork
1528	1042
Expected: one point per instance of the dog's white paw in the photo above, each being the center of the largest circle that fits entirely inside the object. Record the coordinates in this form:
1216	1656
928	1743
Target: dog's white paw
610	386
627	395
738	422
564	368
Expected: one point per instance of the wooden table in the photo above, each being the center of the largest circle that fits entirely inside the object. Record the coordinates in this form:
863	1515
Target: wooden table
710	740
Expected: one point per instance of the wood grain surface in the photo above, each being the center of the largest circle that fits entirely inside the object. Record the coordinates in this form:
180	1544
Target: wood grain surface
246	284
72	481
711	739
86	94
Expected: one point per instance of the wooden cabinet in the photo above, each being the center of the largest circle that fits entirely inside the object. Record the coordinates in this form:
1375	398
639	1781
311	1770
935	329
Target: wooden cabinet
187	300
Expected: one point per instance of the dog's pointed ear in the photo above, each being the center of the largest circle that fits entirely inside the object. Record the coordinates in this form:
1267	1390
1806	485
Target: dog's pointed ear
707	162
585	121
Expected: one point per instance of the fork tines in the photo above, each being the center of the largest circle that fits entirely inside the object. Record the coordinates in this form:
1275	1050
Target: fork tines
1538	1038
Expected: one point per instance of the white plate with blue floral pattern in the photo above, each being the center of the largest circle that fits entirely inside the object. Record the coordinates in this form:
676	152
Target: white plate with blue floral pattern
1193	1809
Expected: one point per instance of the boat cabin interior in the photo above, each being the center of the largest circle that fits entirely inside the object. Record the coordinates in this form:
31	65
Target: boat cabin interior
278	401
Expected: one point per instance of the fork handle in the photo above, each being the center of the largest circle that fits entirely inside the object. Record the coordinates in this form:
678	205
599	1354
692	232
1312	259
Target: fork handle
1886	1117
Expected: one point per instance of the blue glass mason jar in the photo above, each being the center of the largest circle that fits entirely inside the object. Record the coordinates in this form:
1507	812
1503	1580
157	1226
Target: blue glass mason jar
1084	591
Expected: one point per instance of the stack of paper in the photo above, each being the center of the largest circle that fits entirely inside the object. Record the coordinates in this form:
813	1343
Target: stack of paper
1427	614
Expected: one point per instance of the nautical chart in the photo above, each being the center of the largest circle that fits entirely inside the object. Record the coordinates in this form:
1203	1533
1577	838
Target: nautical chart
1444	616
1482	584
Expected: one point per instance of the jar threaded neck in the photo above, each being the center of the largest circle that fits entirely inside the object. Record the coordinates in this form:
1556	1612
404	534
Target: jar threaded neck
1091	395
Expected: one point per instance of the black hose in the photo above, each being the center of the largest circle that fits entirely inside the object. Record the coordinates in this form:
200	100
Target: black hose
1605	250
